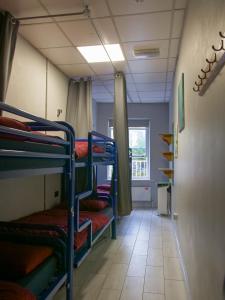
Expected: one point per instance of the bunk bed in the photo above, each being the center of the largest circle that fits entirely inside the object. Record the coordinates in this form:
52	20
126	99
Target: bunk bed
80	220
99	208
24	151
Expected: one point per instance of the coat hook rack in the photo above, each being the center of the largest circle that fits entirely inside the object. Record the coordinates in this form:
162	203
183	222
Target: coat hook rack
215	65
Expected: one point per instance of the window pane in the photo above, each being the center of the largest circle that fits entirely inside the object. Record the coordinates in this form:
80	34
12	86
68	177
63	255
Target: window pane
138	144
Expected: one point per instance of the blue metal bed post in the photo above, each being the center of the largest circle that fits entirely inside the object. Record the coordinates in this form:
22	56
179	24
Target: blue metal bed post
114	198
90	162
70	171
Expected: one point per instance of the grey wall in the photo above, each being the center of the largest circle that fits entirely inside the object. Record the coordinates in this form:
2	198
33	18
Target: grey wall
199	190
158	114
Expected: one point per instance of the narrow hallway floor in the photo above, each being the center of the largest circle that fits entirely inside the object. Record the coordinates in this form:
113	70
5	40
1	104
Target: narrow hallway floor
142	264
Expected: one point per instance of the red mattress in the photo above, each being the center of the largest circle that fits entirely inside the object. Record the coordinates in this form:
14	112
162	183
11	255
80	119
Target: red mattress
13	291
58	216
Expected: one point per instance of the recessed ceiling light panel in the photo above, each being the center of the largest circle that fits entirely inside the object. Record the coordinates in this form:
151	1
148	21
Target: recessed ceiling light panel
114	51
95	54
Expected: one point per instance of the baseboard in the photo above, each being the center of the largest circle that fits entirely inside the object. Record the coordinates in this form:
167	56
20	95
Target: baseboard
186	280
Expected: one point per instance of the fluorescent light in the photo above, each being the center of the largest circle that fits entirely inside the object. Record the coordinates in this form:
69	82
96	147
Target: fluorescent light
114	51
94	54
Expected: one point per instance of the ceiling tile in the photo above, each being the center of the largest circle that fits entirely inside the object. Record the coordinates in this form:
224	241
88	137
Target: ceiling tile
168	94
65	55
107	31
131	87
151	95
76	70
163	46
123	7
149	77
171	64
178	19
98	8
174	44
141	66
44	35
169	86
96	89
129	78
144	27
23	8
170	76
134	97
180	4
81	33
150	87
102	68
109	85
121	66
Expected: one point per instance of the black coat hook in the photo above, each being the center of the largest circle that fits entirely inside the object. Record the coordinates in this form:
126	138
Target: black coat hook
202	78
221	47
198	84
212	61
196	90
221	35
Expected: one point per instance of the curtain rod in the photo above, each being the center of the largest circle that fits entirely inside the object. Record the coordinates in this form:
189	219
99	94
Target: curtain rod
85	11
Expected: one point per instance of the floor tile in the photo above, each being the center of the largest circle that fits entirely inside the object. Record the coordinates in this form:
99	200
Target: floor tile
172	268
116	277
107	294
155	257
133	288
150	296
154	280
175	290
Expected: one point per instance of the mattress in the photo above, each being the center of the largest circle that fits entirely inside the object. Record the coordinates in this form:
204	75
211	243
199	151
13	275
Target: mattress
58	216
16	163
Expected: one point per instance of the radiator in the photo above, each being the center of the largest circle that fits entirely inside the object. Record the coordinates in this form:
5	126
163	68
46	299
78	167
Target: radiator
141	193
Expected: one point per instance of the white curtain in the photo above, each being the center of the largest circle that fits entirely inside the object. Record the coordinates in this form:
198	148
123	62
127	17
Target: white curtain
79	106
122	139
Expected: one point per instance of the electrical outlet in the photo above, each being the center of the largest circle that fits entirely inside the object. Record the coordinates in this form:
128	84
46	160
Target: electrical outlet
56	194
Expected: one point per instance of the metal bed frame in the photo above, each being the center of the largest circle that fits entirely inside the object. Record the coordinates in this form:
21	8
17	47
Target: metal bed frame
40	124
105	142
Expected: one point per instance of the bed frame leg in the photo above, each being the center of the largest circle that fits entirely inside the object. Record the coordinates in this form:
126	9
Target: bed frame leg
113	226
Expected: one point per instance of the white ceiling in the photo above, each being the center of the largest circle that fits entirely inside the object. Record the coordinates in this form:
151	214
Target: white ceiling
146	23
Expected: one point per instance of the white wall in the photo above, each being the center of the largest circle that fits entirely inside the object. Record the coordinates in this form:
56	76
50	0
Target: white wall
38	87
199	190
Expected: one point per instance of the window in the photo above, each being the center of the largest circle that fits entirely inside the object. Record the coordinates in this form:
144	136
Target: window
139	145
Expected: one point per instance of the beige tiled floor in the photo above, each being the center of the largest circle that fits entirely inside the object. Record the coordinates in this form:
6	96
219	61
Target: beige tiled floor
142	264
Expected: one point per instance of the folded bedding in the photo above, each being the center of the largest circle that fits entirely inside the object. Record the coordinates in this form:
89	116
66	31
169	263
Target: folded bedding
104	189
17	259
13	291
58	216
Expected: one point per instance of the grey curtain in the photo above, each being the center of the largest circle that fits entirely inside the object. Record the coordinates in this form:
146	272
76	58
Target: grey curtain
8	35
79	106
79	115
122	139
